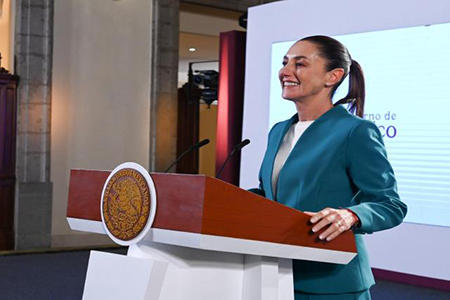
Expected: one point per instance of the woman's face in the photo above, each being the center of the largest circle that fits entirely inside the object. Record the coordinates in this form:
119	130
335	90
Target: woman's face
303	73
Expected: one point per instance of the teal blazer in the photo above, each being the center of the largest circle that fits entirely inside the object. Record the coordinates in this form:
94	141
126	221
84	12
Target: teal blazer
340	162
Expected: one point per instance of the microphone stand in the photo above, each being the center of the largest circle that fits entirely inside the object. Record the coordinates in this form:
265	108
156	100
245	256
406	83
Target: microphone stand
236	148
195	147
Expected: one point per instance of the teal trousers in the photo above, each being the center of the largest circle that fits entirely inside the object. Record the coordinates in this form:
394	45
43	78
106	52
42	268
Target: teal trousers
364	295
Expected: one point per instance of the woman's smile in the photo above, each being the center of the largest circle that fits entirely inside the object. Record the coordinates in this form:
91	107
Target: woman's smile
288	84
303	74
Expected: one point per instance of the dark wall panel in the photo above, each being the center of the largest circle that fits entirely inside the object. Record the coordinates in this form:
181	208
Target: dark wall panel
8	120
7	130
7	214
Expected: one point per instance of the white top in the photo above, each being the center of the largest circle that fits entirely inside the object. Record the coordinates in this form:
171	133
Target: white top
289	141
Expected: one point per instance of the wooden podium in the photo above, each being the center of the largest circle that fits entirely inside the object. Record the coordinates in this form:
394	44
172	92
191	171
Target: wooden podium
191	237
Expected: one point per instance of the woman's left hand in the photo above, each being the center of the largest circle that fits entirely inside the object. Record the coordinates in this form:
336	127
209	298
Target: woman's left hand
339	221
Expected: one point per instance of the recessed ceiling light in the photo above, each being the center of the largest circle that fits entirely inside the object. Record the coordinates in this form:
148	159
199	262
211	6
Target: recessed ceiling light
192	49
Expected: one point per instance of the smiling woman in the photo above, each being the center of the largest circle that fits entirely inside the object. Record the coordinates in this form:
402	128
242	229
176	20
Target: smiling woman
314	67
330	164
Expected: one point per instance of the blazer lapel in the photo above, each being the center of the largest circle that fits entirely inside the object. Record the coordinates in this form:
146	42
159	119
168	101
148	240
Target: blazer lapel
273	147
277	137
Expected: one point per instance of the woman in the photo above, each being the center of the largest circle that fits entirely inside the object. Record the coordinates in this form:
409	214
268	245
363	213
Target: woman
331	164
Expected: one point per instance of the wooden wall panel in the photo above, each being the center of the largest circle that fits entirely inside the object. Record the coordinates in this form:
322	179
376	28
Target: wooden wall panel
187	129
8	115
8	120
7	187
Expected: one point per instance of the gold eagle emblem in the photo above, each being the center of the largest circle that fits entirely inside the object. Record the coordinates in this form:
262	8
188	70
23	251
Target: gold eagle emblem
126	204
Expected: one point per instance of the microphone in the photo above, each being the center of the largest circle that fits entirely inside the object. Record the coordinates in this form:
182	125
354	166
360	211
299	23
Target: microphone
236	148
193	148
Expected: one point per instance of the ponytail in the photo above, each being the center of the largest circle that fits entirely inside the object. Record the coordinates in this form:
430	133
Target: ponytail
356	90
337	56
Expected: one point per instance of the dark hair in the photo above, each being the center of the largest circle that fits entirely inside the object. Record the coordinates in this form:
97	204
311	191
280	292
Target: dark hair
337	56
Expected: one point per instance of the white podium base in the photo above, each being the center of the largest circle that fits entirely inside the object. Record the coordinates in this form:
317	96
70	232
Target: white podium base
112	276
267	278
154	271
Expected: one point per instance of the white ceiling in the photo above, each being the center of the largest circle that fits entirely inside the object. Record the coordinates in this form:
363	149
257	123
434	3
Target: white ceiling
207	46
